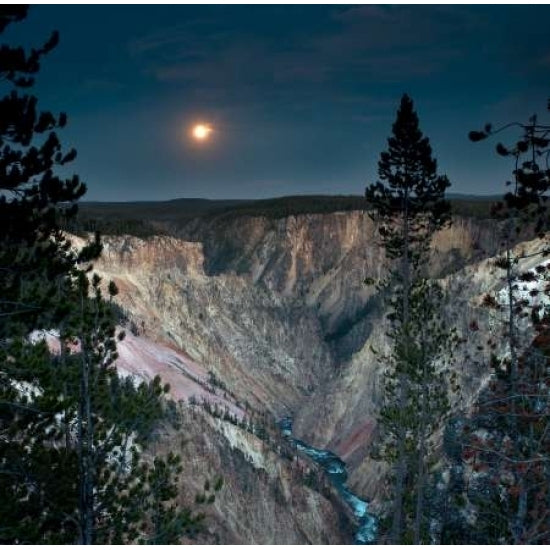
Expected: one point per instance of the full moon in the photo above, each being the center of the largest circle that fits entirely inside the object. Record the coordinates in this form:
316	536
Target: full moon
201	131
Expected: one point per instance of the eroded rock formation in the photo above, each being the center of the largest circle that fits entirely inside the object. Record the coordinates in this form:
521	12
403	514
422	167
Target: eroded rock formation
278	312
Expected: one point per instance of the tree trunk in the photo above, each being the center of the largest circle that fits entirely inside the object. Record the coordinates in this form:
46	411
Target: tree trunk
419	512
85	447
401	468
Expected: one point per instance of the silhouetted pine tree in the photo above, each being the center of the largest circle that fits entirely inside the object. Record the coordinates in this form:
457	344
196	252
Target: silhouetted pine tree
71	432
34	272
504	444
408	202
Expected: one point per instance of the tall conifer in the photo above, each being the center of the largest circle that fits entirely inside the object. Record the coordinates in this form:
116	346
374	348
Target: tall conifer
71	431
408	203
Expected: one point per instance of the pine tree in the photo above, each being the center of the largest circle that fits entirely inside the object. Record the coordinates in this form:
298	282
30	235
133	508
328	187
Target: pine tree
168	521
505	443
408	202
72	433
34	267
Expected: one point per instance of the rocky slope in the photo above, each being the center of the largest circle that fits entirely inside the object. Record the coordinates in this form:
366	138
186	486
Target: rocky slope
263	499
277	311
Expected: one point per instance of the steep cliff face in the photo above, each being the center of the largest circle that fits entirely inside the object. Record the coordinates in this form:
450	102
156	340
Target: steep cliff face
265	496
250	336
277	309
264	499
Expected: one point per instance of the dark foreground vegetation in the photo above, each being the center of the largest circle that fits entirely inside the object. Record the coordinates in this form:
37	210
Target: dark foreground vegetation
74	466
489	483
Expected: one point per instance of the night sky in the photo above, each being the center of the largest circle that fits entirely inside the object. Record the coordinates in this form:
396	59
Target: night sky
301	98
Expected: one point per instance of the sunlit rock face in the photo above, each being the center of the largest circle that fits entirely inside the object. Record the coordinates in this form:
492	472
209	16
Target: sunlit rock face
248	334
278	310
276	307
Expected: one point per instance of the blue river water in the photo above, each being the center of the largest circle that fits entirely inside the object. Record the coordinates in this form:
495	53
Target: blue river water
336	470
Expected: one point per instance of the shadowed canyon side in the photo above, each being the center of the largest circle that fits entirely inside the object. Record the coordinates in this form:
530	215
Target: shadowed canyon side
277	312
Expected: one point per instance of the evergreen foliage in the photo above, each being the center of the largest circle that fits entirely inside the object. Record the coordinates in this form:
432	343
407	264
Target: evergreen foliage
72	433
502	450
408	199
423	361
408	203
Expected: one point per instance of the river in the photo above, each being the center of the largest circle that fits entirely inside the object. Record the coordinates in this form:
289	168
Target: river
336	470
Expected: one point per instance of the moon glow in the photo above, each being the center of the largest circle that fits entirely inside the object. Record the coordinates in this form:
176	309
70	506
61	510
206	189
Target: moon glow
201	132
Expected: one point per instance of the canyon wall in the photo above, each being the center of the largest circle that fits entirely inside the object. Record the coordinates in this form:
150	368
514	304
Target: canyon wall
277	310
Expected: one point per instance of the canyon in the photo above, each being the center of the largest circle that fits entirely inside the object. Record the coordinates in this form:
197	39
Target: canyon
253	319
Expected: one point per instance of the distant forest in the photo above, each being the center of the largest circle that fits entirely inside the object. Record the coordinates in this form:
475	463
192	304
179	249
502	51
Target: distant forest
148	218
